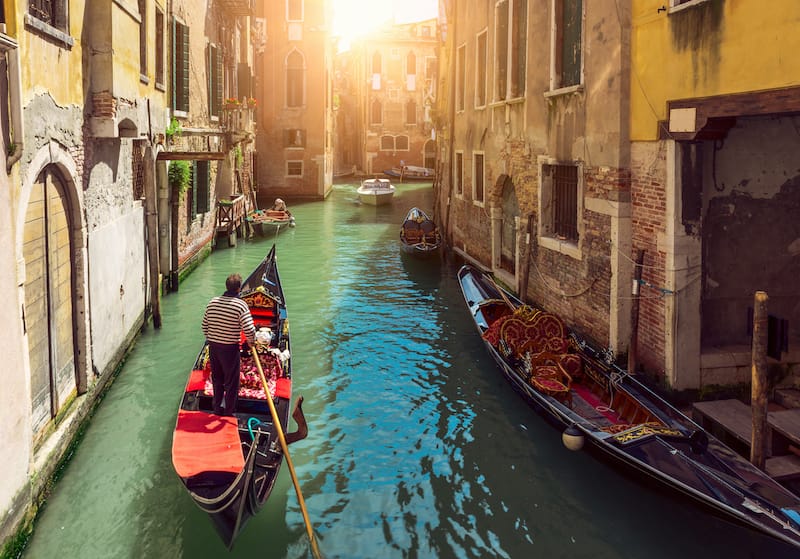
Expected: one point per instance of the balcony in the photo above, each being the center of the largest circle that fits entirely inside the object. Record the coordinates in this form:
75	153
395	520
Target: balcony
236	7
238	120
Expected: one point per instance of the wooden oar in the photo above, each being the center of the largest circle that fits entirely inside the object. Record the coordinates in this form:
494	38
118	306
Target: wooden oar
276	420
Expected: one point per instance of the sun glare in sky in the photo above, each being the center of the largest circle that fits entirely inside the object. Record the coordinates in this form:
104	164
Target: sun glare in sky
352	18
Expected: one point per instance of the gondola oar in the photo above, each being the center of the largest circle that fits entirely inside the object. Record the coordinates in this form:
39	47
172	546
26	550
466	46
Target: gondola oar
276	420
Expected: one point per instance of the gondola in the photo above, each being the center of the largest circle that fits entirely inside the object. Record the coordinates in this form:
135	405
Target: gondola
229	464
595	402
419	235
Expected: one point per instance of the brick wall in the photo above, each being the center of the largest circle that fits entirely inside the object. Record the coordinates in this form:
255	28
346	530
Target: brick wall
648	217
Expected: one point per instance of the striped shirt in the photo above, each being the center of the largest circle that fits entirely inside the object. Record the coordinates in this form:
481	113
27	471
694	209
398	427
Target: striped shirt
225	318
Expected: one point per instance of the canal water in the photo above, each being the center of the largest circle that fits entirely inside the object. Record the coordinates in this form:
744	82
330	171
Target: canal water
417	446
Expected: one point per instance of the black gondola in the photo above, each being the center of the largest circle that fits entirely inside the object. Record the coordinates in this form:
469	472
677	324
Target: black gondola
229	464
419	235
577	388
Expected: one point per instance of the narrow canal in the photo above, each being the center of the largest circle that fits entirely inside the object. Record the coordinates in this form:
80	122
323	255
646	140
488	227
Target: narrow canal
417	447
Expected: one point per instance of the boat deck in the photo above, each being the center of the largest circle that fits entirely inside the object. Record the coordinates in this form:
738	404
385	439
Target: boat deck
732	421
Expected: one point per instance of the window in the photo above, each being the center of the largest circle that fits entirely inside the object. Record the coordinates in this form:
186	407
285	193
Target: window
295	79
376	63
477	178
480	70
201	187
294	10
458	173
376	112
411	112
560	202
143	37
294	138
294	168
568	29
180	67
510	48
159	47
411	72
461	70
394	143
51	12
215	80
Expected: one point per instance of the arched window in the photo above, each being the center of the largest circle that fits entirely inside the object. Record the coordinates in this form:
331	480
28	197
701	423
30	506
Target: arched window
387	143
401	143
295	79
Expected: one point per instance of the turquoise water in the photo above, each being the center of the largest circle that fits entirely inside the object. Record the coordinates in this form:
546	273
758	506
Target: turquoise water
417	446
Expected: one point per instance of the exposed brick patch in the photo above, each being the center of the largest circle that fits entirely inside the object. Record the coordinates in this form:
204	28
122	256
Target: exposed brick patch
104	104
648	221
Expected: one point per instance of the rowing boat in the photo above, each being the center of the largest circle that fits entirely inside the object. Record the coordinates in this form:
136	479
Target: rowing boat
600	405
229	464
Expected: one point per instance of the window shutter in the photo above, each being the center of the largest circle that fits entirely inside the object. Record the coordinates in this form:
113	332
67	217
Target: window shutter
193	200
203	186
184	82
218	89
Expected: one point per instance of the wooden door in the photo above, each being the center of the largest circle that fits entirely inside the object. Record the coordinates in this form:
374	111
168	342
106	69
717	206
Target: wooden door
48	298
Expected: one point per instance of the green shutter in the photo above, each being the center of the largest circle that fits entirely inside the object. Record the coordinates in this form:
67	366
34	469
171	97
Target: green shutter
184	85
193	201
203	186
218	89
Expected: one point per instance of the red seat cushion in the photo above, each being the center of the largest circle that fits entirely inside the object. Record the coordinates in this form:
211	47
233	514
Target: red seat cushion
204	442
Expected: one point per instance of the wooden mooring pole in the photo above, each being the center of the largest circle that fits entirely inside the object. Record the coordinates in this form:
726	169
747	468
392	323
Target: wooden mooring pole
758	392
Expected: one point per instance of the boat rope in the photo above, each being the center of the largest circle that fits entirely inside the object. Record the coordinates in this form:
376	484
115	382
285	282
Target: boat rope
250	426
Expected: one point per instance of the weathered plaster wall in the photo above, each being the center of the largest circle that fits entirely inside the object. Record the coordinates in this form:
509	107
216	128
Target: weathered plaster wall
751	227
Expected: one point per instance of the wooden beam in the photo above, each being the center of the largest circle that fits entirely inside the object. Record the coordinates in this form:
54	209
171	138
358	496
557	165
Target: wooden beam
191	155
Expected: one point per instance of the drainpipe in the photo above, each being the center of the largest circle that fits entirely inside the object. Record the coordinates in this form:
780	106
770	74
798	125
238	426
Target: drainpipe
11	49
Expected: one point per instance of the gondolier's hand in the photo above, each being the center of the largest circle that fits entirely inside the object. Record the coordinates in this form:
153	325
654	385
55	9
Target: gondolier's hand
245	348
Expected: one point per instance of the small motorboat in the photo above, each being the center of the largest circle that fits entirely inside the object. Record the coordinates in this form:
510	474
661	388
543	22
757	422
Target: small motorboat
376	191
419	235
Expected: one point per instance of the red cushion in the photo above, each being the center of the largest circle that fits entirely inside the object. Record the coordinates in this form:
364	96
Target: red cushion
204	442
197	380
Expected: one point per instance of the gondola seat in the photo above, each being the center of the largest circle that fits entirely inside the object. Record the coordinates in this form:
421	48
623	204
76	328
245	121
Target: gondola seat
553	380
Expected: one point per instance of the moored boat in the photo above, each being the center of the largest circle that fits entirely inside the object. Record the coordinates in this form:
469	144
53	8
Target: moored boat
599	404
229	464
407	173
376	191
419	235
265	222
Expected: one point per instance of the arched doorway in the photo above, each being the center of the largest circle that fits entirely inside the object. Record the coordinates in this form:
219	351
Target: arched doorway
49	280
508	229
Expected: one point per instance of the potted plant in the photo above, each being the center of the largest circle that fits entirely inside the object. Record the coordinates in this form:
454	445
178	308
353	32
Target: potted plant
232	103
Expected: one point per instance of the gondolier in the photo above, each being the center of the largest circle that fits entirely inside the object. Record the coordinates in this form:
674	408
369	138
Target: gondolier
226	317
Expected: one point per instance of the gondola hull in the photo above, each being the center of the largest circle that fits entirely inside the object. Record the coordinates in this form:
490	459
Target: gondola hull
598	404
229	464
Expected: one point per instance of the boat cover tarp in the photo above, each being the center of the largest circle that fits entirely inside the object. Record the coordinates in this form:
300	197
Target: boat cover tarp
204	442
